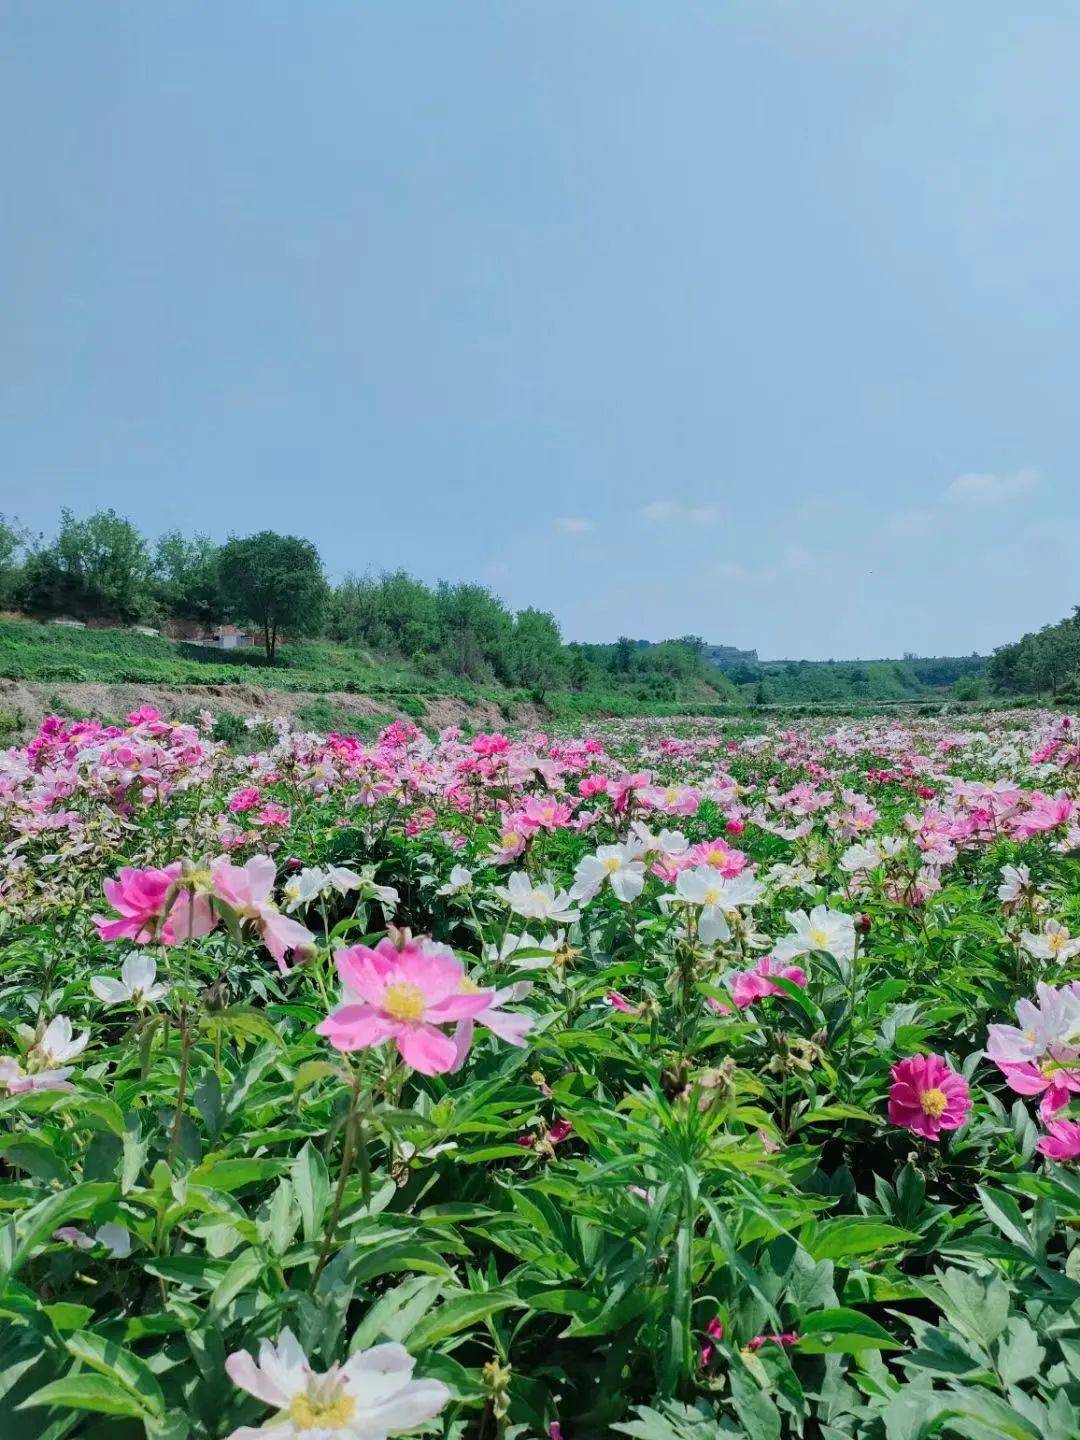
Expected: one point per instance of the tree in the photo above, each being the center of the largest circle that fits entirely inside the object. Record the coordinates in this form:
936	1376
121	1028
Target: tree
275	582
95	567
186	577
536	651
14	539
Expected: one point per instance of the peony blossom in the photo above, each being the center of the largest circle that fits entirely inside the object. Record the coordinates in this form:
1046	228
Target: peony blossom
750	985
829	931
615	865
1061	1141
1053	943
536	902
403	995
927	1097
246	889
510	1025
140	897
137	984
373	1395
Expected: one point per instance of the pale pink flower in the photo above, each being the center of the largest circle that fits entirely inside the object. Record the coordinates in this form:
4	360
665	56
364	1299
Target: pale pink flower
750	985
246	889
403	995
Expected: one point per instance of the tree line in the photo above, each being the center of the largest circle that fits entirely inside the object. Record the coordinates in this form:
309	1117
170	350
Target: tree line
1045	661
100	567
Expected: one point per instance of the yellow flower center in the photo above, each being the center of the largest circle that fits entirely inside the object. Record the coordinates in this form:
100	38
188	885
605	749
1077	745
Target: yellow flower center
671	795
612	863
717	857
1056	940
509	837
711	896
468	987
934	1102
819	938
404	1001
308	1414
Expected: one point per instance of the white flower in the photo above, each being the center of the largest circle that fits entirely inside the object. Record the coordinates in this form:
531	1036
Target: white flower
136	985
460	880
615	864
511	944
370	1397
869	854
58	1043
822	930
703	885
1015	879
539	902
1055	943
668	842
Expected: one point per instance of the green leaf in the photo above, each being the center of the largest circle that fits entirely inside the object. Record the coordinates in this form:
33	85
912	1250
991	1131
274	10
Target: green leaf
36	1157
88	1392
120	1365
852	1235
842	1331
458	1314
311	1182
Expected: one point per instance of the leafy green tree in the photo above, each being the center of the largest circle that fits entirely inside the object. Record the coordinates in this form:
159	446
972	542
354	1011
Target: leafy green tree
476	629
185	573
98	566
274	582
536	655
14	539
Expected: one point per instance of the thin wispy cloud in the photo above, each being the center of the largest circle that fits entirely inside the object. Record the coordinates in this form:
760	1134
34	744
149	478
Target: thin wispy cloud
991	489
664	512
573	525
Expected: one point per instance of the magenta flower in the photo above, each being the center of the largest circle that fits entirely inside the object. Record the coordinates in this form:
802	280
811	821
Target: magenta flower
140	897
927	1097
755	984
713	1331
1061	1141
403	995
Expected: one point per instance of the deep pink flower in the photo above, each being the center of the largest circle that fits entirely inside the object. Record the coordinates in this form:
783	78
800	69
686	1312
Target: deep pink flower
927	1097
140	896
784	1340
1062	1140
713	1331
241	801
403	995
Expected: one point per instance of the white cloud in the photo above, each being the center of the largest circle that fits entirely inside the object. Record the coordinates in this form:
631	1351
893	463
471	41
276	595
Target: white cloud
573	525
663	512
988	489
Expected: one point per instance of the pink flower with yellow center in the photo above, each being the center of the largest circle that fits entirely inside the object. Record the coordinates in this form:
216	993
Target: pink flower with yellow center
403	995
927	1097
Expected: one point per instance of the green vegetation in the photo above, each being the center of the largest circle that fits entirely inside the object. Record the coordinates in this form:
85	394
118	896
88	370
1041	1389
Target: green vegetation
1045	661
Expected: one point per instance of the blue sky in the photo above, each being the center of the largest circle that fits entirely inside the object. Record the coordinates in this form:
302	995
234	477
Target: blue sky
751	319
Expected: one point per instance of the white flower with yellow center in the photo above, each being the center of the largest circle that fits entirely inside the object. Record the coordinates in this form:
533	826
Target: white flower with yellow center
614	865
823	929
1054	943
370	1397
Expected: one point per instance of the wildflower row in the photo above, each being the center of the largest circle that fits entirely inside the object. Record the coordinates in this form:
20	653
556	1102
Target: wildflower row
678	1085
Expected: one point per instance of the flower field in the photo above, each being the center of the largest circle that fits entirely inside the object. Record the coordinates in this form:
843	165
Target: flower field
674	1081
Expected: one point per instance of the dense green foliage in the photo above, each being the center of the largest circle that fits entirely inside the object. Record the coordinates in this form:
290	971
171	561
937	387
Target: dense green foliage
1045	661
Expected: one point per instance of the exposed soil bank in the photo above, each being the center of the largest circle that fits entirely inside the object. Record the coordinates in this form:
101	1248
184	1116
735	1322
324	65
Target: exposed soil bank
29	701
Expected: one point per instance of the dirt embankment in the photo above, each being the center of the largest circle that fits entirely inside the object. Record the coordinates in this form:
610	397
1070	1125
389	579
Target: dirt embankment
29	701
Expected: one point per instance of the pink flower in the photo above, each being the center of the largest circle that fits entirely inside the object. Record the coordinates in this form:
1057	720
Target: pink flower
714	1331
755	984
511	1026
1061	1141
620	1002
403	995
246	890
271	814
927	1097
241	801
784	1340
140	896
